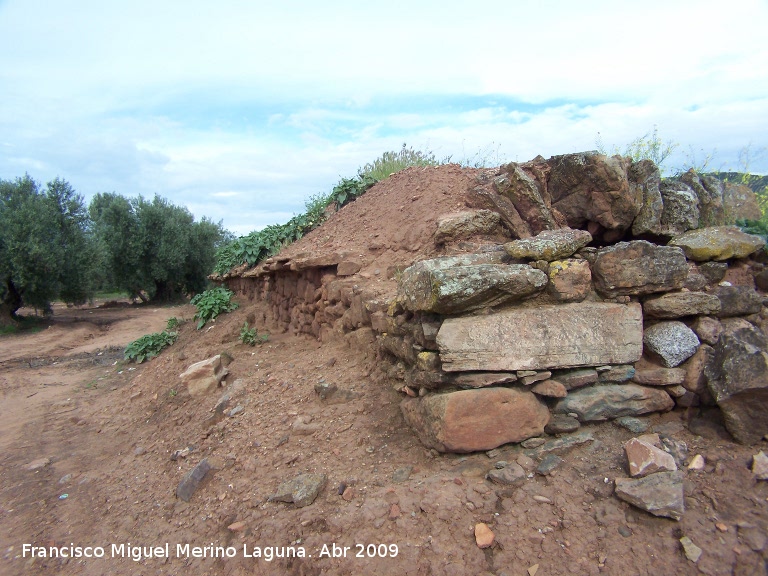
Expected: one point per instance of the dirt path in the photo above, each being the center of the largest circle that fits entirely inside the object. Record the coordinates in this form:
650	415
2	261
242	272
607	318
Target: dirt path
103	436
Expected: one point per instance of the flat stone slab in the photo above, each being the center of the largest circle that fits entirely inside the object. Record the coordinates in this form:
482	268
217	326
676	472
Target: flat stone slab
612	401
661	494
566	336
717	243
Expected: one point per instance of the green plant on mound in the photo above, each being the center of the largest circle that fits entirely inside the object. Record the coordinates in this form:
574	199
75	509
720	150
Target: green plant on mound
173	323
211	303
251	337
149	345
395	161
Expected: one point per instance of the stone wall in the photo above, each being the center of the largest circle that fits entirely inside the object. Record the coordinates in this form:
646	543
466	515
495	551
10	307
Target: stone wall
620	294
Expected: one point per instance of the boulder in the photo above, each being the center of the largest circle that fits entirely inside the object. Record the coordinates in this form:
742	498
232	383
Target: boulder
473	420
661	494
644	458
465	224
569	280
610	401
671	342
740	203
737	378
738	301
681	208
549	245
204	376
717	243
510	217
445	286
527	195
590	187
645	179
709	191
638	267
565	336
680	304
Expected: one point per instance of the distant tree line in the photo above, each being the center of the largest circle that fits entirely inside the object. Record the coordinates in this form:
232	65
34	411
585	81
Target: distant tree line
53	247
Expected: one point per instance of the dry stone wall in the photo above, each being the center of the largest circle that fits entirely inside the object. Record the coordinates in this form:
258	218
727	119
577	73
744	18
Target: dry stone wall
619	293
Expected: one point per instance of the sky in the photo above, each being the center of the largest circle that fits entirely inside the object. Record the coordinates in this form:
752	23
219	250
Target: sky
242	110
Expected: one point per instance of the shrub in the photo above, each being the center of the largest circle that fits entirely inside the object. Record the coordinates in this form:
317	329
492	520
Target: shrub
391	162
149	345
251	337
173	323
211	303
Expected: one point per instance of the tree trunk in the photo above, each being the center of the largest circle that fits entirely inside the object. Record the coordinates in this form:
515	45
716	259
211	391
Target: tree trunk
11	302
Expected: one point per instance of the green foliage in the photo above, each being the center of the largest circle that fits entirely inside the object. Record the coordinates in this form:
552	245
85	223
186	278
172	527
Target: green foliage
211	303
759	227
173	323
251	337
153	248
349	189
149	346
650	146
45	248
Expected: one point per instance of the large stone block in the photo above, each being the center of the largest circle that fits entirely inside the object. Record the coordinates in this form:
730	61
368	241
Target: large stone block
549	245
472	420
639	267
445	287
204	376
609	401
644	177
681	208
717	243
681	304
566	336
465	224
737	377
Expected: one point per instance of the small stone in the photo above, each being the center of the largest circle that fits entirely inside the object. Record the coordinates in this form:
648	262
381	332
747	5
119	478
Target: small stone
402	474
661	493
526	462
542	499
325	390
511	475
625	531
235	411
484	537
533	570
394	512
236	526
644	459
37	464
634	425
562	424
697	463
348	494
500	465
538	377
692	552
191	480
533	442
550	388
301	490
139	450
760	466
722	527
549	464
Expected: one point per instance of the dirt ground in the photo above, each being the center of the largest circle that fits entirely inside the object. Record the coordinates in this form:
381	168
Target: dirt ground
106	432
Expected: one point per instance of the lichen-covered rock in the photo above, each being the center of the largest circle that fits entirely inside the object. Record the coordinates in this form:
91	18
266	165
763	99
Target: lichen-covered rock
610	401
443	287
709	191
638	267
671	342
558	336
549	245
465	224
717	243
681	304
645	179
737	378
737	301
527	195
681	208
473	420
569	280
204	376
740	203
301	490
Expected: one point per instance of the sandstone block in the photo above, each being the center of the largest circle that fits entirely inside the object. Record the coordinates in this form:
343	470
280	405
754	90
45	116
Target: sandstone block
737	377
465	224
707	329
473	420
680	304
717	243
681	208
549	245
645	179
612	401
443	287
570	335
204	376
738	301
569	280
639	267
650	374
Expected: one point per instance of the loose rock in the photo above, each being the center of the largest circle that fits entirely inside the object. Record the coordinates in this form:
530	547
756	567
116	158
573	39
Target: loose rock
484	537
661	494
301	490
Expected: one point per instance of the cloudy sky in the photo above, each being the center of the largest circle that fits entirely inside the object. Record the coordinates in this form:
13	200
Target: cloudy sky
240	110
